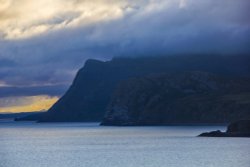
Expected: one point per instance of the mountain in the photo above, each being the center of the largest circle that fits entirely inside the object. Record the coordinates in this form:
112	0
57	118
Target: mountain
179	98
88	96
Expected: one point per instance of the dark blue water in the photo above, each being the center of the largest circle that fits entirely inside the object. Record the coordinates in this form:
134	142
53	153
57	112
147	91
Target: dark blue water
87	144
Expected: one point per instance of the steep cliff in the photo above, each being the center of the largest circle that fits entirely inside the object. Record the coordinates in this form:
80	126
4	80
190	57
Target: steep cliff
88	96
179	98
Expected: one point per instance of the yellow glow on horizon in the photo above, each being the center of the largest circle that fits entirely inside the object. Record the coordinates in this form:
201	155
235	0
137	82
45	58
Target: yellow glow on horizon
27	104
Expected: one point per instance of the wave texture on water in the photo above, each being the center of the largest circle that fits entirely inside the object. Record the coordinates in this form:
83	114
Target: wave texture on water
90	145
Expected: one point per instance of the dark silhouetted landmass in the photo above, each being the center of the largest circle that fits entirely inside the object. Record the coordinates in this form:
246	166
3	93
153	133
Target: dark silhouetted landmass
29	116
236	129
19	116
90	93
179	98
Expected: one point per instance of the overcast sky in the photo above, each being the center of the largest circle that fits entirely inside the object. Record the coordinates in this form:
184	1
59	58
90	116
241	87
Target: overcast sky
43	43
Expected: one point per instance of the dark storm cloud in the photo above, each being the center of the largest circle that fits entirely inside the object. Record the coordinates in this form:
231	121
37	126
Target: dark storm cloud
148	28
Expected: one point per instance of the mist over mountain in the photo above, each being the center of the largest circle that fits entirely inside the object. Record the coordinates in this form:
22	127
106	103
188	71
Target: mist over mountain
90	93
49	47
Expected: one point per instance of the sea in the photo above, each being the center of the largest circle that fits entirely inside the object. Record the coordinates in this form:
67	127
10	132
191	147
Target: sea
30	144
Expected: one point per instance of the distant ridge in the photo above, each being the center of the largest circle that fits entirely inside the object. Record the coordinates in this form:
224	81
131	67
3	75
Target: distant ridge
19	116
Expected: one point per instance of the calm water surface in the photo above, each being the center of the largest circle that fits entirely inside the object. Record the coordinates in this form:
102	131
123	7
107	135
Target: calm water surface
89	145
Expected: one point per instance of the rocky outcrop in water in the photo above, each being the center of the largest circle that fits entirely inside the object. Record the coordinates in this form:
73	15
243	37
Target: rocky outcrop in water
236	129
179	98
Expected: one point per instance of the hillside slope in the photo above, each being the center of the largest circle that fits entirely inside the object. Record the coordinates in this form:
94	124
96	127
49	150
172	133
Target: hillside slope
179	98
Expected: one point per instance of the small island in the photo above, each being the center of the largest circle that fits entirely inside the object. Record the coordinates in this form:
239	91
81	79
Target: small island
236	129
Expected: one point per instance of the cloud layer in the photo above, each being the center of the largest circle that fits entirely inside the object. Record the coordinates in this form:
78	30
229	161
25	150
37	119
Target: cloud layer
43	43
26	18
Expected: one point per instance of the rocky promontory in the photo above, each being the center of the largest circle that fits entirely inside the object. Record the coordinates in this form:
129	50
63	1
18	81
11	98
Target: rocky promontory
91	91
236	129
